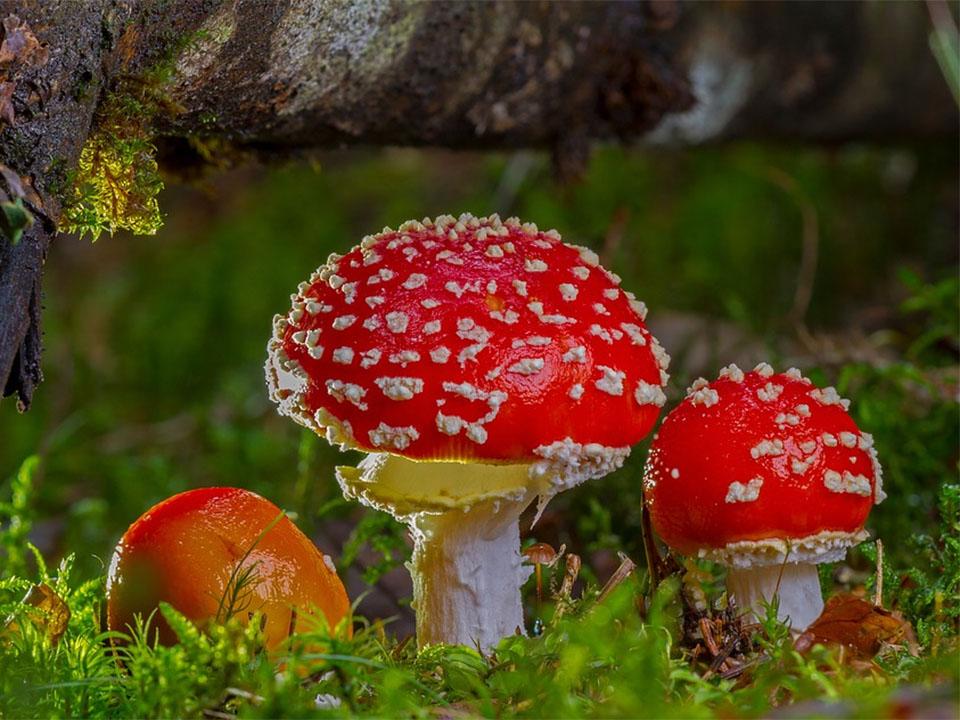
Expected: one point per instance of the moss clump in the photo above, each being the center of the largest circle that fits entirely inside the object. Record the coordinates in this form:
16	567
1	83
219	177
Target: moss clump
116	186
117	180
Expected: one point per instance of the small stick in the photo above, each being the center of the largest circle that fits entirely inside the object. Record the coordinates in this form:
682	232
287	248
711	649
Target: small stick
650	548
570	575
724	656
878	593
738	670
245	694
566	588
707	633
218	715
627	566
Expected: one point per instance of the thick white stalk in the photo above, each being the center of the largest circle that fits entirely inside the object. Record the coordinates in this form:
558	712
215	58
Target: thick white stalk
796	584
467	572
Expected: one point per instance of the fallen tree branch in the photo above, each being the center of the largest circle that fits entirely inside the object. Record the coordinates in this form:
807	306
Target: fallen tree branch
276	77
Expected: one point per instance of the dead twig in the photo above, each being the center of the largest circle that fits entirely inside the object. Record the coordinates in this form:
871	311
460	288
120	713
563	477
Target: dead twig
706	632
878	593
570	574
627	566
810	248
740	669
218	715
650	550
614	236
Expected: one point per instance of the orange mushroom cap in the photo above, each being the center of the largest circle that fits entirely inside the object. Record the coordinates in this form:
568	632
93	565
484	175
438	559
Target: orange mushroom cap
185	551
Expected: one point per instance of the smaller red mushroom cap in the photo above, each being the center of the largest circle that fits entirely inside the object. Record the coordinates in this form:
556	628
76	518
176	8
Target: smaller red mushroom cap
469	339
757	464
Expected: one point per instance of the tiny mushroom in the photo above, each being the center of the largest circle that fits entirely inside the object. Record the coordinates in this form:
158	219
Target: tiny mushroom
767	474
468	357
541	554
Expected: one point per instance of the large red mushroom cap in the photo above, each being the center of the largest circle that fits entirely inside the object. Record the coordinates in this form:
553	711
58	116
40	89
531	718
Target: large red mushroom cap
756	466
469	339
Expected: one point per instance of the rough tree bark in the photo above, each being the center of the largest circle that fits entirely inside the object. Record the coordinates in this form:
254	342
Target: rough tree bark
277	76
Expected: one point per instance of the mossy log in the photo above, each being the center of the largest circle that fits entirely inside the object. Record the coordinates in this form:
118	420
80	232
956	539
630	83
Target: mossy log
276	77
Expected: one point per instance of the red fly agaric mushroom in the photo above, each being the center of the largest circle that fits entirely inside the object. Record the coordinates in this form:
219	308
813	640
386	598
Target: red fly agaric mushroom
216	552
767	474
480	364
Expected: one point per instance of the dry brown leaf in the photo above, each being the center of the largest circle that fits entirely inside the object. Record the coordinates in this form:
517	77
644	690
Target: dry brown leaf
20	44
16	186
859	626
47	611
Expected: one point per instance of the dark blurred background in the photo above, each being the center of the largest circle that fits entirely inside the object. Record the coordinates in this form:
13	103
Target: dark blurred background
842	261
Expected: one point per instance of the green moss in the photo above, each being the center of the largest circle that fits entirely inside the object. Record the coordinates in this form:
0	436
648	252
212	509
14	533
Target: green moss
115	188
116	182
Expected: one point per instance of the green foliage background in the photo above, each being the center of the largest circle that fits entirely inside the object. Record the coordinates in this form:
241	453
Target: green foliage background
154	352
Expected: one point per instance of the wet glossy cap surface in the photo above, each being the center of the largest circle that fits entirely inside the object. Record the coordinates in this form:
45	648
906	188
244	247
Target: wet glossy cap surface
467	338
759	456
184	550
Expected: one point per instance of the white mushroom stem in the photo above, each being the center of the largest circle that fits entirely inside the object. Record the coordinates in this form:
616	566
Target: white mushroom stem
467	573
464	517
796	584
